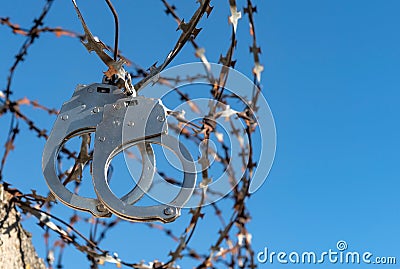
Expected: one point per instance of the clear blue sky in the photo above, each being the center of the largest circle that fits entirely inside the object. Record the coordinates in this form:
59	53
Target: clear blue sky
331	79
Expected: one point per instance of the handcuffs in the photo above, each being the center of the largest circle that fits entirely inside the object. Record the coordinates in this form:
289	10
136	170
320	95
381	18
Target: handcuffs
119	121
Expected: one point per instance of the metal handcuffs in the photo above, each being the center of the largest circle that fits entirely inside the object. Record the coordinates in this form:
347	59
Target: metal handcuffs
118	122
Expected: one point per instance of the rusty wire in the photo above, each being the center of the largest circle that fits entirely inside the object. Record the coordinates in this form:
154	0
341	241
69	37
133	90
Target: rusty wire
116	34
233	239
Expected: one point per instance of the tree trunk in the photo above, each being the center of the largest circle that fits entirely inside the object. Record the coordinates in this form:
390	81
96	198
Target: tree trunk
16	249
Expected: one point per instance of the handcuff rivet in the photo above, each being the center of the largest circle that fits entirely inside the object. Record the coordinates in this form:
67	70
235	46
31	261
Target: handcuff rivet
64	117
101	208
131	123
102	139
96	110
160	118
168	211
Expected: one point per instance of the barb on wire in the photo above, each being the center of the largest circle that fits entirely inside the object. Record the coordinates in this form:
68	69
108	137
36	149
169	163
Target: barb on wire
32	36
189	31
200	51
115	67
258	68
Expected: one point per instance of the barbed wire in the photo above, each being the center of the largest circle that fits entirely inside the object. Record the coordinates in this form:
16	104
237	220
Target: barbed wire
232	247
